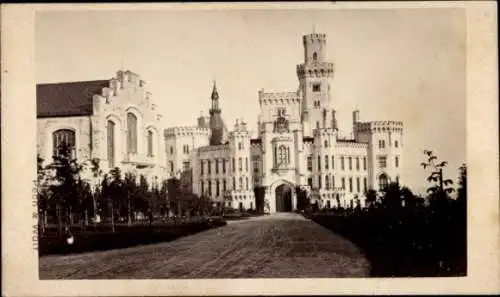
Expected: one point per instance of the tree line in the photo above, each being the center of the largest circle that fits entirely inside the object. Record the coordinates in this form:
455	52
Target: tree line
66	199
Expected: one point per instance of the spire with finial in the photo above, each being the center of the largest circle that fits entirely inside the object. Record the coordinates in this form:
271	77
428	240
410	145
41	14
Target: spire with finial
215	100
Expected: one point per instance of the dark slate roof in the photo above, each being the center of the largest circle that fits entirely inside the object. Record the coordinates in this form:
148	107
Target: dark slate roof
346	140
68	98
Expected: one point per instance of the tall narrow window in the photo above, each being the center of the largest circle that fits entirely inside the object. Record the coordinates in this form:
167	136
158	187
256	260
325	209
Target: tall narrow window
319	163
382	161
333	181
358	185
240	165
64	139
343	183
171	166
327	182
365	183
315	56
217	188
131	133
241	183
396	144
223	165
209	167
326	162
319	181
224	188
216	166
234	183
283	155
350	184
396	161
246	164
350	163
246	183
150	143
111	144
342	163
202	188
326	143
383	182
201	167
310	163
364	163
234	165
310	182
357	163
333	162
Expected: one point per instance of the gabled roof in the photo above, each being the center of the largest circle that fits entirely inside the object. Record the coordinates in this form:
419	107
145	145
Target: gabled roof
67	98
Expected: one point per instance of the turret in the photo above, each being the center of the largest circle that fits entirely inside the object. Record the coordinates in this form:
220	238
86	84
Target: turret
217	127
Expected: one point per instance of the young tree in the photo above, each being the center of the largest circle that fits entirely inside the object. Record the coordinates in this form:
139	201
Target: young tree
115	188
462	190
440	187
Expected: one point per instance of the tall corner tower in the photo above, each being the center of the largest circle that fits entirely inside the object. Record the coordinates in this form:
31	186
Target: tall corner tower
218	130
315	75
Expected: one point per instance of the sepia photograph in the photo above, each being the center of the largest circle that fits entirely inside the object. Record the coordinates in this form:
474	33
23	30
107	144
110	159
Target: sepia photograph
257	143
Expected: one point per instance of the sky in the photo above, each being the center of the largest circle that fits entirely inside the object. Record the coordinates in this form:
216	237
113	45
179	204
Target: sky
391	64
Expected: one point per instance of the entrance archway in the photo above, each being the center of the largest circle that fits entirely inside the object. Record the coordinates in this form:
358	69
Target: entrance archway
283	198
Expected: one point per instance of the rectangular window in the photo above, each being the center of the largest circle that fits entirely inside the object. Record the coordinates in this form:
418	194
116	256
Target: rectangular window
342	165
224	189
350	163
217	189
216	166
223	165
316	87
358	185
319	163
350	184
310	182
246	164
396	161
382	161
319	181
357	163
343	183
234	183
396	144
381	144
171	166
186	165
333	181
150	143
202	188
246	183
234	166
255	167
327	182
310	163
365	184
201	167
364	163
333	162
209	167
326	162
240	164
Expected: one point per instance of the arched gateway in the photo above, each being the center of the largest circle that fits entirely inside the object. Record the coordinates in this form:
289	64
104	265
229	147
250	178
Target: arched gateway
282	197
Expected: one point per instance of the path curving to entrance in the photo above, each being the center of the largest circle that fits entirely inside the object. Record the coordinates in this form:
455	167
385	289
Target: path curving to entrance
283	245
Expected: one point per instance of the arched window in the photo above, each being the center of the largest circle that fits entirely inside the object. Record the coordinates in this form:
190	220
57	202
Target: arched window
111	144
383	181
64	143
315	56
131	133
150	143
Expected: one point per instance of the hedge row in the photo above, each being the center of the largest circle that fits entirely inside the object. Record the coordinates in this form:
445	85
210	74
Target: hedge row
405	244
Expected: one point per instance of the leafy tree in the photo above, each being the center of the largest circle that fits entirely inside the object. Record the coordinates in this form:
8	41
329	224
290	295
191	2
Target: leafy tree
371	198
114	193
302	199
440	187
65	183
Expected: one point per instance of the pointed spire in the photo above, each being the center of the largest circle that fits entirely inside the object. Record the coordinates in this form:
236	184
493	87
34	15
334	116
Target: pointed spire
215	94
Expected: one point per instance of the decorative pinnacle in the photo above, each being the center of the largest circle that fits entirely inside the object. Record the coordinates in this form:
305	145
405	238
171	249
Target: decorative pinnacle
215	94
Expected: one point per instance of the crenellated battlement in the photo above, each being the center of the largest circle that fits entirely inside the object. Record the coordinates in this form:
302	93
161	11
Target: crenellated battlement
214	148
314	37
350	143
379	126
315	69
186	131
279	98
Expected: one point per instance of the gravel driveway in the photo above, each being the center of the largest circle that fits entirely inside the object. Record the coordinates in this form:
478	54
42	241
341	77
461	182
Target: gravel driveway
276	246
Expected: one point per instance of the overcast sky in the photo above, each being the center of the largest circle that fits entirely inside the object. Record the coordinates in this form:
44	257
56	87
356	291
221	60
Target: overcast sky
404	64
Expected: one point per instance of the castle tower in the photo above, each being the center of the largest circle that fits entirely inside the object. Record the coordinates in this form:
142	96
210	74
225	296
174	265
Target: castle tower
217	127
314	77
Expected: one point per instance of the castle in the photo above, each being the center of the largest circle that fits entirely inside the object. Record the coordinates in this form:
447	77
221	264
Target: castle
297	145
